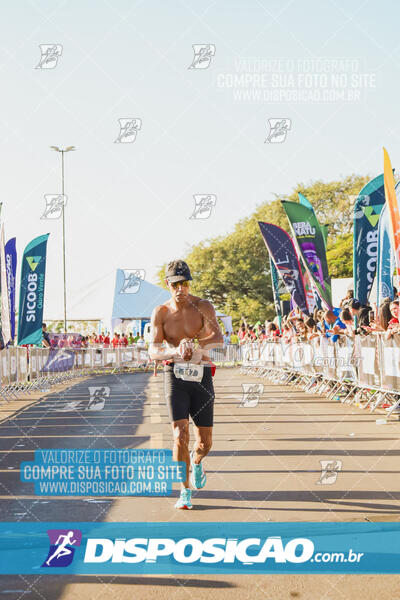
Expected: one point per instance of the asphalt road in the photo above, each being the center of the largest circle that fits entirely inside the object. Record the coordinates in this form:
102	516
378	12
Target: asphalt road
264	466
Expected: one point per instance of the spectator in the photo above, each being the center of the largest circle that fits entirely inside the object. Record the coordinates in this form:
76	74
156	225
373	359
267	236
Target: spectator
124	340
332	324
234	338
141	343
271	332
384	314
115	340
227	338
301	331
312	330
130	339
393	325
106	340
347	318
45	336
347	299
361	313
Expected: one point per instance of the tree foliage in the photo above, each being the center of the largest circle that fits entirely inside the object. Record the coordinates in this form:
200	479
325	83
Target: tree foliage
233	271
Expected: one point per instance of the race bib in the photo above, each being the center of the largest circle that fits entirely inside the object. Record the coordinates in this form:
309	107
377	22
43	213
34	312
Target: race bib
188	372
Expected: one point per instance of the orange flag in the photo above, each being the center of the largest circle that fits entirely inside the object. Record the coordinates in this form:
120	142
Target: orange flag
393	207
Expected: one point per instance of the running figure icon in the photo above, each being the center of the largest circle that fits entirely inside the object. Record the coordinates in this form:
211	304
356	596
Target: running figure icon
62	549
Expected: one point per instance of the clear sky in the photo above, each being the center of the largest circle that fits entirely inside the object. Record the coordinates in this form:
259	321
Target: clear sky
203	130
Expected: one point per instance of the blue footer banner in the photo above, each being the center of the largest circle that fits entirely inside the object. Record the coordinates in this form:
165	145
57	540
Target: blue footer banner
198	548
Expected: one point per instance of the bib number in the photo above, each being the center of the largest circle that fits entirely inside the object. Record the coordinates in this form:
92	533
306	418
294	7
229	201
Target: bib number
188	372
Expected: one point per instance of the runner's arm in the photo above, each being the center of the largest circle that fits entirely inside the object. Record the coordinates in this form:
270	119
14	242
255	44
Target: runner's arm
156	351
210	335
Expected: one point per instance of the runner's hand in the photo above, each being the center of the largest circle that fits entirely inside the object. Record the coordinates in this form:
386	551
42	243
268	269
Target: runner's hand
185	349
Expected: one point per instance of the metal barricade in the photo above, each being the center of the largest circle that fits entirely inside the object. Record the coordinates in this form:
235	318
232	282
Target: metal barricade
233	354
389	361
345	359
266	354
366	354
5	367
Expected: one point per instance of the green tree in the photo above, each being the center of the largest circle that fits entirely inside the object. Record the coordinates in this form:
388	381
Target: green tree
233	271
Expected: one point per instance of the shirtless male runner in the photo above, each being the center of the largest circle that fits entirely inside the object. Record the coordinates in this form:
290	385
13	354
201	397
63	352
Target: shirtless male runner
188	386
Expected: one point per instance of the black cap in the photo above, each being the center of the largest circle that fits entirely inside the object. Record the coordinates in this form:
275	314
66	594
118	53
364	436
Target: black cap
355	304
177	270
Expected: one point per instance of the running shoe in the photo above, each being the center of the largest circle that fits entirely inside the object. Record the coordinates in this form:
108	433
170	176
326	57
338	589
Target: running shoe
197	477
185	500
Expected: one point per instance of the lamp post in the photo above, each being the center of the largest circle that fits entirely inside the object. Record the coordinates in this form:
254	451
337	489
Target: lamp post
62	152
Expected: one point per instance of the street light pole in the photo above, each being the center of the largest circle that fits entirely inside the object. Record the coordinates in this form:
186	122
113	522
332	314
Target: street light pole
68	149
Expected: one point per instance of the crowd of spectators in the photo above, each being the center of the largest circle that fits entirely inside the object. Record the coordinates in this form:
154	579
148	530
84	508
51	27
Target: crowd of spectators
102	340
349	319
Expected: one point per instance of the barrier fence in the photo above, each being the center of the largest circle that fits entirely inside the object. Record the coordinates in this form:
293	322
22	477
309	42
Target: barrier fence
23	370
363	370
366	368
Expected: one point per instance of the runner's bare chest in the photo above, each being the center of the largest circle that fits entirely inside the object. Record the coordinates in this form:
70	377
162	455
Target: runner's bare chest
184	323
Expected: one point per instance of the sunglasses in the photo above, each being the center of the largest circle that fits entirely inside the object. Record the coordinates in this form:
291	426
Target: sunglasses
176	284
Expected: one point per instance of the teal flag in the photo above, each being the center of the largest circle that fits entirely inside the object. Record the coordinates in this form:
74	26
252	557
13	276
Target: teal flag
367	208
311	244
31	294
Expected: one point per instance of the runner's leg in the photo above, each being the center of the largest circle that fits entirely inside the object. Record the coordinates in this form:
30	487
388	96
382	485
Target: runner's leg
203	442
181	445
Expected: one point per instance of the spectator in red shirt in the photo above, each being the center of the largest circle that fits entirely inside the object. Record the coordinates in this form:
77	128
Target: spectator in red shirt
115	340
124	340
106	341
272	332
242	334
393	325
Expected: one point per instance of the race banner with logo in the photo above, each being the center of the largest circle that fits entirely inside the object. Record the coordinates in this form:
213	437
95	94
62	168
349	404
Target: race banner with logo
367	209
385	265
311	243
393	208
5	306
31	294
325	228
281	248
11	270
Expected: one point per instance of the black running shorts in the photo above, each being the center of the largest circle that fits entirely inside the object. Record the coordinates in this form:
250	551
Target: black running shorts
194	398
